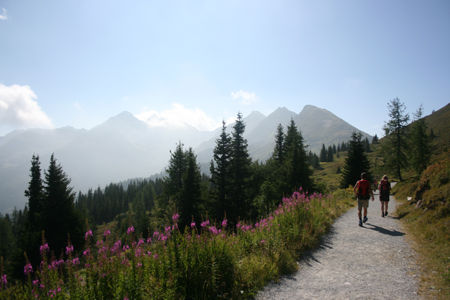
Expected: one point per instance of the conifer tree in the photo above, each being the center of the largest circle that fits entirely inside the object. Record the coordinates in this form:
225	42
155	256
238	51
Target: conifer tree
330	154
356	162
240	204
60	219
420	143
33	226
395	143
323	154
191	197
297	171
375	139
278	152
176	169
366	145
220	173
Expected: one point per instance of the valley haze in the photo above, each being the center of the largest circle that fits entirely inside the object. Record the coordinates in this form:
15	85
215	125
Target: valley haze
124	147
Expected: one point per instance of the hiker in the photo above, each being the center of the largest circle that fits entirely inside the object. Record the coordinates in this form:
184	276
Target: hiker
363	192
385	189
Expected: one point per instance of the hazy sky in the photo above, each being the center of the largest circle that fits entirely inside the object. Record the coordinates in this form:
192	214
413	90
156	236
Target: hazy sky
79	62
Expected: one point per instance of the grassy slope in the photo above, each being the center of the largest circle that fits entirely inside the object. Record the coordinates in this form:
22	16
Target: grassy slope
426	215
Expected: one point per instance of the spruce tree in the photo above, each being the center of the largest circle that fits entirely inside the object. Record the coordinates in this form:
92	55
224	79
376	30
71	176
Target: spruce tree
278	152
34	222
220	173
176	169
297	171
240	204
375	140
356	162
420	143
323	154
60	219
395	143
191	197
330	154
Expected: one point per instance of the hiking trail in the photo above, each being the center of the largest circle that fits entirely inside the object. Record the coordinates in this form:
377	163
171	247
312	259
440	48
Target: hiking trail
370	262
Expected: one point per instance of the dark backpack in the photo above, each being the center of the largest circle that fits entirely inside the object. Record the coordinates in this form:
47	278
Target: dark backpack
384	186
364	190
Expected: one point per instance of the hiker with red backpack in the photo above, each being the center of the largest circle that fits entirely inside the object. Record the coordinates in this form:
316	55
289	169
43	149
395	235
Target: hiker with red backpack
385	189
363	192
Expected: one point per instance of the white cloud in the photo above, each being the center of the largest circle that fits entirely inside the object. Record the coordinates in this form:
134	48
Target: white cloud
247	98
3	15
178	116
18	108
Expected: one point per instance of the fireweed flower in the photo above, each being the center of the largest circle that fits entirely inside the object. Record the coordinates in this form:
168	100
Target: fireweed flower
130	230
44	248
36	282
27	269
4	280
106	233
204	223
224	223
192	224
86	252
69	249
76	261
175	217
88	234
140	242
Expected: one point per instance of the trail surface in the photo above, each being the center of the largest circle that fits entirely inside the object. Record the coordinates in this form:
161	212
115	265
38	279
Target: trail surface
370	262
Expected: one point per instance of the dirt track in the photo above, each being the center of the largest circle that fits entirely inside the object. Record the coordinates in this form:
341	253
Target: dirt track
370	262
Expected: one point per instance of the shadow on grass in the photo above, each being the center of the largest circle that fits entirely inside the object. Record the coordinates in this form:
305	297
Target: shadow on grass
384	230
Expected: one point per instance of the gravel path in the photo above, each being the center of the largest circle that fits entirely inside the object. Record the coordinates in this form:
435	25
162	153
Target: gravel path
370	262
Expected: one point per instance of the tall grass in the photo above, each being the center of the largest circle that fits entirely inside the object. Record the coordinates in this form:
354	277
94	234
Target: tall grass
204	261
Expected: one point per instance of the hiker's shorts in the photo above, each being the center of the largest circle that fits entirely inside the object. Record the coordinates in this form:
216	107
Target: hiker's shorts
363	203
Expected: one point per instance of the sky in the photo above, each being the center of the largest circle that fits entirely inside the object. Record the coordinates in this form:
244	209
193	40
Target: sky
79	62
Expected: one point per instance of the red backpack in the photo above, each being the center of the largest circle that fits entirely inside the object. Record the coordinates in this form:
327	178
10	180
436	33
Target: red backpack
364	189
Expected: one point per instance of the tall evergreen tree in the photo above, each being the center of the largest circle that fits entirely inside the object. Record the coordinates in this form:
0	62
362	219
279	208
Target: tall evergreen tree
356	162
366	145
278	152
191	197
420	143
330	154
323	154
220	173
240	204
176	169
60	219
395	143
297	171
34	223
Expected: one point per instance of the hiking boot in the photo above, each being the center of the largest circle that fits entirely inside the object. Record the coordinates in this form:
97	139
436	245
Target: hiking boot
360	222
382	214
385	213
365	219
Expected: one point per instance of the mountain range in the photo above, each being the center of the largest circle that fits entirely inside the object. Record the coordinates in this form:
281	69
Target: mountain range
124	147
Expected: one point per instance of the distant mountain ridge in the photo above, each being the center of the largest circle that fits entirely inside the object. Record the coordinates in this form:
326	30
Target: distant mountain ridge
125	147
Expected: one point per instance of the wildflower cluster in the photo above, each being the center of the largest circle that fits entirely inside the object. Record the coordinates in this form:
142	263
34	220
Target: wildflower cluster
171	264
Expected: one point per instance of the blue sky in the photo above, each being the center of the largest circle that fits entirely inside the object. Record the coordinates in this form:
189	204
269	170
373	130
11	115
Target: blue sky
77	63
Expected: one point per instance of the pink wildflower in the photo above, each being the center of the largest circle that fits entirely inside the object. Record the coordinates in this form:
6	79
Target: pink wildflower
204	223
192	224
27	269
106	233
88	234
130	230
69	249
4	280
224	223
44	248
36	282
76	261
140	242
213	230
139	265
86	252
175	217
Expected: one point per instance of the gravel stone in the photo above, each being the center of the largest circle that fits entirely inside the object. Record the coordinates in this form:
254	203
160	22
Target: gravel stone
370	262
